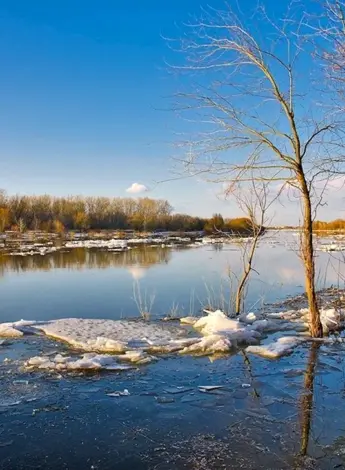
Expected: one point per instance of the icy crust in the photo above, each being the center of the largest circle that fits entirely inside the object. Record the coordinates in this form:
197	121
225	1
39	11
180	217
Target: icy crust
87	361
110	244
114	336
331	247
16	329
119	244
114	344
279	348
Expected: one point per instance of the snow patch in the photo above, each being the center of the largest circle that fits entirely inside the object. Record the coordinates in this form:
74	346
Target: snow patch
279	348
16	329
116	336
110	244
87	361
250	317
211	344
216	322
137	342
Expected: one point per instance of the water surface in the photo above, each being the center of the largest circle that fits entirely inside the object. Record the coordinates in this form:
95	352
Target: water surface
100	284
267	414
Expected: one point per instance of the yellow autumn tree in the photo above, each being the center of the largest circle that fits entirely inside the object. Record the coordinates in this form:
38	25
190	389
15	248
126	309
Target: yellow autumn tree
4	218
80	220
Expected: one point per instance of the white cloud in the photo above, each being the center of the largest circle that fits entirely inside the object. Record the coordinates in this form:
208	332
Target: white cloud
136	188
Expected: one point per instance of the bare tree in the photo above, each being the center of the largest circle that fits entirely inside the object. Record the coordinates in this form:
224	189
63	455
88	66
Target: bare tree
326	28
254	203
261	119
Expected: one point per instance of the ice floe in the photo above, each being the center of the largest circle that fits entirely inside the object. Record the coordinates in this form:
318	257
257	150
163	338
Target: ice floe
115	336
110	244
115	344
331	247
279	348
88	361
34	249
16	329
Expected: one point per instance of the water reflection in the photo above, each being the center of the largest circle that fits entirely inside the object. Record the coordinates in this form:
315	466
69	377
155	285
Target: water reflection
307	399
138	260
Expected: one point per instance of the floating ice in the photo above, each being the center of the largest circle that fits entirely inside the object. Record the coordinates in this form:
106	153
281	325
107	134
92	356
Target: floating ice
16	329
116	336
138	342
209	345
225	331
7	331
209	388
125	393
331	247
87	361
250	317
216	322
110	244
279	348
137	357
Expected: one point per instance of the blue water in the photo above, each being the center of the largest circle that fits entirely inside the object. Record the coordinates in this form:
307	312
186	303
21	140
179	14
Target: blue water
99	284
265	415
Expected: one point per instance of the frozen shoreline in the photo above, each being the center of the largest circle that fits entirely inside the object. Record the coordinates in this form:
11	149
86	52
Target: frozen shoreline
44	244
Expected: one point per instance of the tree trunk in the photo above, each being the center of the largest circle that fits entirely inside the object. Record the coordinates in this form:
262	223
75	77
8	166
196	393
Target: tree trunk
246	273
315	325
240	288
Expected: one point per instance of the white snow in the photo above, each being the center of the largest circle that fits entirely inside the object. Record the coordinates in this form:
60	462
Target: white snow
138	342
218	325
115	336
216	322
331	247
16	329
332	319
110	244
87	361
125	393
281	347
211	344
137	357
249	317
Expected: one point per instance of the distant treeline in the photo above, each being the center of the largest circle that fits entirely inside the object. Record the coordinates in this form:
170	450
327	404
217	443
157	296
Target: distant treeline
58	214
337	224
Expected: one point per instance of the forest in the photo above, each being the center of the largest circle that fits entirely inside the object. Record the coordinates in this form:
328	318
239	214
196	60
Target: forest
59	214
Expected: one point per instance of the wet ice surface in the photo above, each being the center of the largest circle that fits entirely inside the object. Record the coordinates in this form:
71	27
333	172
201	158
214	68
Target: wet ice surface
181	412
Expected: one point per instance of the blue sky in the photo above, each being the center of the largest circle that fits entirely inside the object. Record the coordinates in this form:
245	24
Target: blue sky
83	87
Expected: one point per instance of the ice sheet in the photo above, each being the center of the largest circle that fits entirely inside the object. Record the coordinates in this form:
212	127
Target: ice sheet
116	336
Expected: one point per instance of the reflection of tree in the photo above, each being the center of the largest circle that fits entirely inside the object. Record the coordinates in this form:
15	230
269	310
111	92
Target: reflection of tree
217	246
80	258
250	372
307	398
